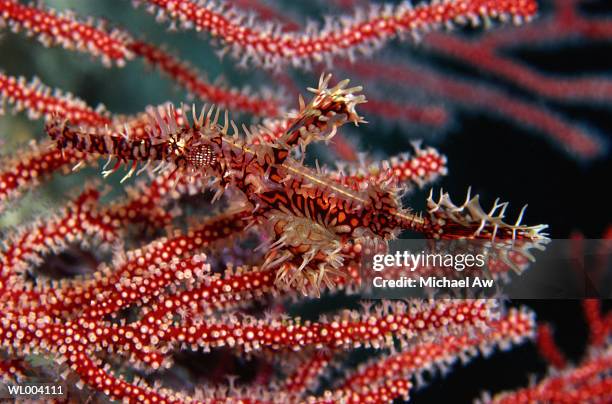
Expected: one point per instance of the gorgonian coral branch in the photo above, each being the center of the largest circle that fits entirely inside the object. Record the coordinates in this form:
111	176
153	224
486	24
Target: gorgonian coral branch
65	30
351	329
77	223
29	167
385	392
11	370
513	328
83	222
434	116
599	330
306	373
73	344
40	100
565	132
404	170
344	36
194	82
132	277
588	382
548	348
566	22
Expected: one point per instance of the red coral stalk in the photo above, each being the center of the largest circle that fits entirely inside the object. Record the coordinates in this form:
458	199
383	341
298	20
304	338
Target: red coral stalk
28	168
363	32
548	347
567	134
40	100
194	82
65	30
589	382
513	328
351	329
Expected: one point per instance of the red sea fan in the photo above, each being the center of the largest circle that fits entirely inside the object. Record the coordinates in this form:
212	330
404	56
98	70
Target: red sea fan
227	224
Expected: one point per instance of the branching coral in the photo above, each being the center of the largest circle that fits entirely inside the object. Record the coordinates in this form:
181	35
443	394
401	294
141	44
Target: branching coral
225	219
